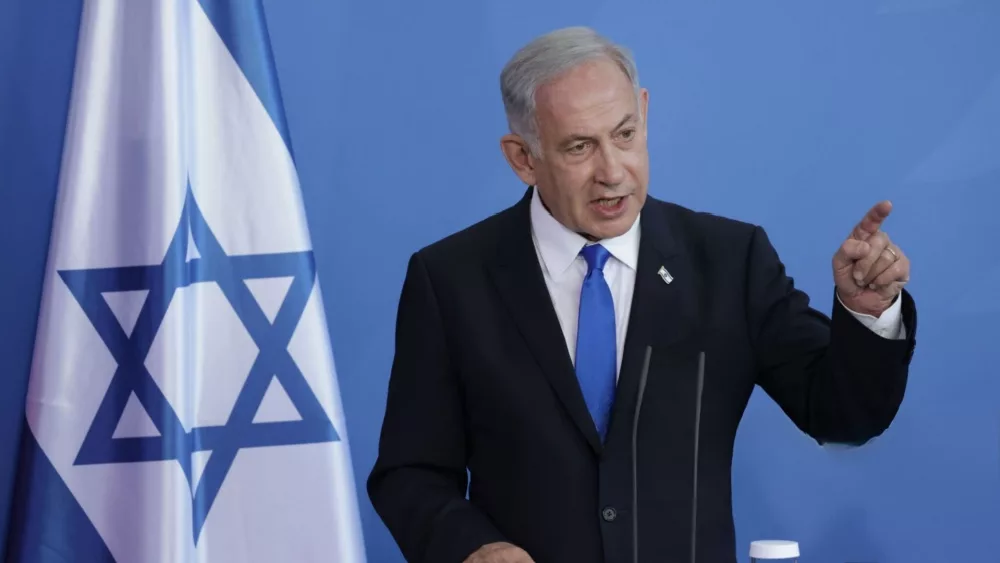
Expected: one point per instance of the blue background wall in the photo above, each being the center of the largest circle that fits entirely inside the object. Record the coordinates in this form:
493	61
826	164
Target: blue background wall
798	115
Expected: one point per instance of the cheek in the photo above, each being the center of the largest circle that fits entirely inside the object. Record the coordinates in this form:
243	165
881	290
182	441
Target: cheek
636	164
574	184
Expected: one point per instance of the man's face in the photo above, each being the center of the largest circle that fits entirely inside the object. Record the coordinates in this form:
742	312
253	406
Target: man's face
594	167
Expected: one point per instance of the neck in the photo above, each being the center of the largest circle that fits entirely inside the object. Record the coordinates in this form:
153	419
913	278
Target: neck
589	237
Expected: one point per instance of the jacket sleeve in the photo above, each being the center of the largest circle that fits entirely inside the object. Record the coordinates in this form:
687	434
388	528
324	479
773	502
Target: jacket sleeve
418	484
837	380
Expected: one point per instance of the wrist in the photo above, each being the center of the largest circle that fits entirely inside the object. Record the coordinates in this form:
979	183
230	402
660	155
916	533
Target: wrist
867	307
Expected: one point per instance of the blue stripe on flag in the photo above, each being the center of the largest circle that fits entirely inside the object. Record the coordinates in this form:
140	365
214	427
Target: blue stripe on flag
243	28
51	527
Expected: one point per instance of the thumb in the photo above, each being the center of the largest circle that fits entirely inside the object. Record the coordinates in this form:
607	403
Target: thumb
850	252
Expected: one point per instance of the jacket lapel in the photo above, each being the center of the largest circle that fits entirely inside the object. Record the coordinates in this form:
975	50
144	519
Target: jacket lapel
662	313
518	278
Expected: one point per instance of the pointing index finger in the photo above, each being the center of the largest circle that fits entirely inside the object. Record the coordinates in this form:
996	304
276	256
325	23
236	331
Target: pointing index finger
872	221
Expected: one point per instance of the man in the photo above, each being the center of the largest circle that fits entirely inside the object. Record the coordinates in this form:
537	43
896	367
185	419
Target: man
520	343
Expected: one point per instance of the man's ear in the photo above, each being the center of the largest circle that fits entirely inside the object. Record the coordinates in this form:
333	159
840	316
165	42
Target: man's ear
644	108
515	150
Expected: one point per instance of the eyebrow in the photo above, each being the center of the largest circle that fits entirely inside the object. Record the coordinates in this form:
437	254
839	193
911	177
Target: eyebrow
626	119
580	137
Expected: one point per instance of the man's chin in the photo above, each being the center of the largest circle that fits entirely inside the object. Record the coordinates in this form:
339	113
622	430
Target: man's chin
604	230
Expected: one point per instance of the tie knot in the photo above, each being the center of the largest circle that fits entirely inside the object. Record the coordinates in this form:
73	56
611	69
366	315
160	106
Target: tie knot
596	256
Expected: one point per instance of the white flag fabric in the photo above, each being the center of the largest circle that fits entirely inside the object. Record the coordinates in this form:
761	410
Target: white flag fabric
183	403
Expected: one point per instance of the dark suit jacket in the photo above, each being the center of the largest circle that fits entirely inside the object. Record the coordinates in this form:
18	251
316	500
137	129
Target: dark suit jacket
482	380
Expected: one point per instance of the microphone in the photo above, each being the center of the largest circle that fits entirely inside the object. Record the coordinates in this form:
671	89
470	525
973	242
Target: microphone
697	438
635	432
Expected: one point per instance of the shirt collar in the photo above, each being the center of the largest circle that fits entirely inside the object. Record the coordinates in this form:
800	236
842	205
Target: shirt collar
559	246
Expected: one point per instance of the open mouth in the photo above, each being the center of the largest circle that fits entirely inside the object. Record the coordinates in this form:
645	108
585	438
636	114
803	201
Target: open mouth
609	207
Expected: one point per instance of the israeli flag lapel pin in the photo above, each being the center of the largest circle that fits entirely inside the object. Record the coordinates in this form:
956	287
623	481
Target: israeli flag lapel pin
665	275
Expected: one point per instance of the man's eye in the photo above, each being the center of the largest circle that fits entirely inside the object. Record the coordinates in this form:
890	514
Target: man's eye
579	147
628	134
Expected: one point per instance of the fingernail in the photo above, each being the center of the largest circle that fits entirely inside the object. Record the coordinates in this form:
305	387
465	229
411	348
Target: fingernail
858	275
871	286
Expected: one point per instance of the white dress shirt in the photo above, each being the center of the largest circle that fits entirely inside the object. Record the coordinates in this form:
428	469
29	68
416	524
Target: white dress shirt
558	249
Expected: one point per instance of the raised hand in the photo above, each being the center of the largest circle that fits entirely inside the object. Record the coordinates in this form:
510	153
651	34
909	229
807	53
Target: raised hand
868	269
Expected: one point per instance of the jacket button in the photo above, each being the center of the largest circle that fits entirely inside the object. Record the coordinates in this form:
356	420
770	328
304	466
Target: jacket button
609	514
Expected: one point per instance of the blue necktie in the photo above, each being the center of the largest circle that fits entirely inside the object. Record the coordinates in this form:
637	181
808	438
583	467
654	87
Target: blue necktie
596	344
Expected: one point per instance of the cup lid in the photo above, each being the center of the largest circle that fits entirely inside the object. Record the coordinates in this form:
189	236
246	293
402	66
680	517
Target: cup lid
774	549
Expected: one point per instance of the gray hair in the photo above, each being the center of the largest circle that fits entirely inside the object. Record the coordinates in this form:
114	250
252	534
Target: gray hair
544	59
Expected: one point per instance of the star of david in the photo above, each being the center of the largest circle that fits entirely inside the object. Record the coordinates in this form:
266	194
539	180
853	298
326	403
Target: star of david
162	281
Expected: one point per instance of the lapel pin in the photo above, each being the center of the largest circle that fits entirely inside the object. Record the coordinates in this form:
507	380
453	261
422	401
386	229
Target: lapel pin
665	275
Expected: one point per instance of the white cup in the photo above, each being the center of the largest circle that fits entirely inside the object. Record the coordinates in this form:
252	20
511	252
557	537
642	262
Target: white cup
774	550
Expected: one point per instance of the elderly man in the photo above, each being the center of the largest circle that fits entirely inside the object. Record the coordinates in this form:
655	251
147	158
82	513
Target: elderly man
521	341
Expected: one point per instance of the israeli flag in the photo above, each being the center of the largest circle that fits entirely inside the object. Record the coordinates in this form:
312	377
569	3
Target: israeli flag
183	404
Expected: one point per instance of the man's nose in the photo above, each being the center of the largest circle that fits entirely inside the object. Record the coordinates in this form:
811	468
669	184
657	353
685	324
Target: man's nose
610	171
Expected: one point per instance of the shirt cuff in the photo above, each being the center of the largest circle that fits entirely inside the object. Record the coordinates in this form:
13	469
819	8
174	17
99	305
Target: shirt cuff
888	325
